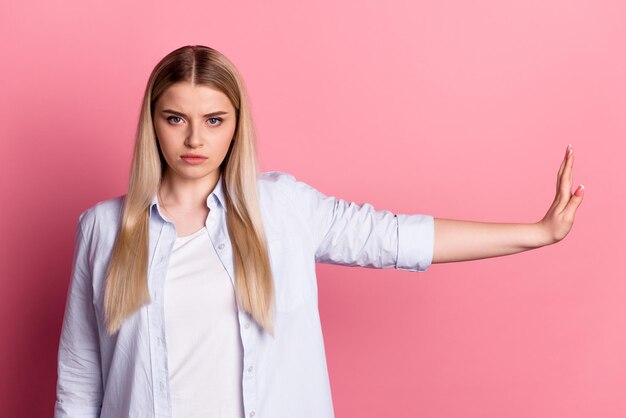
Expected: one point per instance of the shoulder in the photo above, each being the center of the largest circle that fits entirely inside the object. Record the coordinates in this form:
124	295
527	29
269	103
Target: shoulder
282	180
286	183
102	214
280	177
277	194
276	182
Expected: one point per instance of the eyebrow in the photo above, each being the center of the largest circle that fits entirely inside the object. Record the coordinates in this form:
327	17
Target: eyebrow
219	112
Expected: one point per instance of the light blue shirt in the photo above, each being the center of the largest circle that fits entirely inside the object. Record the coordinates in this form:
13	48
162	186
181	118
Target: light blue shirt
285	376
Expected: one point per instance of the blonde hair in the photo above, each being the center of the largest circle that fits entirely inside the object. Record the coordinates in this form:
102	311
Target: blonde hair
126	279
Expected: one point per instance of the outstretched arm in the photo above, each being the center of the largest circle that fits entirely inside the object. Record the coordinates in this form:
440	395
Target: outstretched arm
457	240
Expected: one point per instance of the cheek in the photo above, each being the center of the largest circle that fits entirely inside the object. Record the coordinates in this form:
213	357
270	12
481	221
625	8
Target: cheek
164	138
224	139
166	148
225	144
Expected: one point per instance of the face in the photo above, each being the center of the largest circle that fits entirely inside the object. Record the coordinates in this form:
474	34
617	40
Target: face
193	121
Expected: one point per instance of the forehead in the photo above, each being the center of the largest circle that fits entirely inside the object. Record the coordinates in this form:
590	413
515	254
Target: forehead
188	98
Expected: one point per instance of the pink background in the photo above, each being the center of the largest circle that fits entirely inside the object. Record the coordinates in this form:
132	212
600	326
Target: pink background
460	109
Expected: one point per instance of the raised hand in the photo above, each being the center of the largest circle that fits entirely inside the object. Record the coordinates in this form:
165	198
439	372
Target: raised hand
560	217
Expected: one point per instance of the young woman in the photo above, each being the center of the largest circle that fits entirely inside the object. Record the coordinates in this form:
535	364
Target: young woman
194	294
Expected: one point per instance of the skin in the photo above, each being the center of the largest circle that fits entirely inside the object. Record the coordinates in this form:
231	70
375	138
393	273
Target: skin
457	240
185	188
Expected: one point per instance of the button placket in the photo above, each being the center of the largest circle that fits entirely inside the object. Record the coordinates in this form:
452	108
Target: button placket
249	377
161	244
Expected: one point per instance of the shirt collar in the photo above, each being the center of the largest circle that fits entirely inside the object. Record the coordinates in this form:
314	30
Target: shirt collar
217	193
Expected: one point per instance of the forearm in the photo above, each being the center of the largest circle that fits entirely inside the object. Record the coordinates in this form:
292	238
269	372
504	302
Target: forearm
459	240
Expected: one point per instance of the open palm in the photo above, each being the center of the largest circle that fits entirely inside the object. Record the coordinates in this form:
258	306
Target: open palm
560	217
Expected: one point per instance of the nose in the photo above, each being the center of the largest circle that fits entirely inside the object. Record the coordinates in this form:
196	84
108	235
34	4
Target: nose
193	139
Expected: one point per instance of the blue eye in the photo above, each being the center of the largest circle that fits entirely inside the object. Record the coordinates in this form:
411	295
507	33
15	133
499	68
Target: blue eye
177	117
212	121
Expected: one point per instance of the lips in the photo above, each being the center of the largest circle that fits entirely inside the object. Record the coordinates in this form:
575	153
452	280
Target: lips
193	159
192	156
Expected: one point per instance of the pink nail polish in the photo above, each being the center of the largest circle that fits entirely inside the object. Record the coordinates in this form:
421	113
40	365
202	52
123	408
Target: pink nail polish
579	190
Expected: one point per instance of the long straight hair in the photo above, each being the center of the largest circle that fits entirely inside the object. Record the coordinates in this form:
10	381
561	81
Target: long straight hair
127	274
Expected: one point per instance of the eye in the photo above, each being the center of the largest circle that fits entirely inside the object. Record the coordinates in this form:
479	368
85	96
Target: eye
218	121
176	117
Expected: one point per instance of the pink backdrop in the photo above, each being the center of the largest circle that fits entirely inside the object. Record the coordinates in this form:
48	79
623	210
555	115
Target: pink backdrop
454	108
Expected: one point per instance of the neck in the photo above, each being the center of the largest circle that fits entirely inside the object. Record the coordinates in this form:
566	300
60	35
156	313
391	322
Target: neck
175	191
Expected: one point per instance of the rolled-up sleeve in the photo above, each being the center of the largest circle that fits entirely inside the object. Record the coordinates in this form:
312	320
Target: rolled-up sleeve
416	241
352	234
79	383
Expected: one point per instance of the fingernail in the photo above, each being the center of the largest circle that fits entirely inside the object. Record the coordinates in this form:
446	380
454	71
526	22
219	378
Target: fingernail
579	190
570	149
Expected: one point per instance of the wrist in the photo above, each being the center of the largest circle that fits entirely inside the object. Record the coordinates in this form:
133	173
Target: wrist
542	234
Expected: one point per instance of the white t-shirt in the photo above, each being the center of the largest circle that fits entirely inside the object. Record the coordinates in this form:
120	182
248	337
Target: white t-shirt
204	348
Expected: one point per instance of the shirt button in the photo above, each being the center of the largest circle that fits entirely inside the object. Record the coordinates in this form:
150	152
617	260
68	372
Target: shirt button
247	325
251	413
250	369
221	246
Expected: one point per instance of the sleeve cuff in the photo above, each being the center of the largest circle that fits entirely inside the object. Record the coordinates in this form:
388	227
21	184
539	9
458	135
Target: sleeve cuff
416	242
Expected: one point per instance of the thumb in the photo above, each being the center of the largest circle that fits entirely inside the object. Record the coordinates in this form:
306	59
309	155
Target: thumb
575	200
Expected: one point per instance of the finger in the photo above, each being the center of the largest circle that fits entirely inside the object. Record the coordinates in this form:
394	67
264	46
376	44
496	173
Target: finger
563	194
558	176
571	169
574	202
566	180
